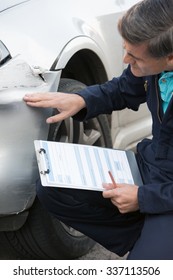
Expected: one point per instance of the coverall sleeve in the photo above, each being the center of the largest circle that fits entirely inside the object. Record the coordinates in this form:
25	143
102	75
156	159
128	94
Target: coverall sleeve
126	91
156	198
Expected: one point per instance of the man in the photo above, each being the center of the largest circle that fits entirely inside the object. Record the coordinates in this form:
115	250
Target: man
128	218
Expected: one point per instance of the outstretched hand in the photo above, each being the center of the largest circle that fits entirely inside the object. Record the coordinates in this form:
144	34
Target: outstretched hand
66	104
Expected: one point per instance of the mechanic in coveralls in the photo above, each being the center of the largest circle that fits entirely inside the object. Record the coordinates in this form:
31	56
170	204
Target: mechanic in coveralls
128	218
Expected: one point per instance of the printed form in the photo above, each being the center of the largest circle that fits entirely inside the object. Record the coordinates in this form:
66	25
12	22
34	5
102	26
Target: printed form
80	166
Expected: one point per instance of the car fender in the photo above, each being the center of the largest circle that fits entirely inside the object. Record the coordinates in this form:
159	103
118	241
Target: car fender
20	126
78	44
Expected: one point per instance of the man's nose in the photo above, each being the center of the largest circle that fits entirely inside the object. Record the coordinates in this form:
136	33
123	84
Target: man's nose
127	59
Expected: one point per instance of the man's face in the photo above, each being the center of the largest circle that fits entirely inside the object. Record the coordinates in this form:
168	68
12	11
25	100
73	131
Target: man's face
141	63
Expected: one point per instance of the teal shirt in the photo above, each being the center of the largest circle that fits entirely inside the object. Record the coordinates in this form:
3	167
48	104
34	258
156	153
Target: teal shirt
166	88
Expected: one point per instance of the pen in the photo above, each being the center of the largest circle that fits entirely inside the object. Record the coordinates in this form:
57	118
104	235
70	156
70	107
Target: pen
112	179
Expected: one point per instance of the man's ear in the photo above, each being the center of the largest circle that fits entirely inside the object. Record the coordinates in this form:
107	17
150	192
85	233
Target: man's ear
170	60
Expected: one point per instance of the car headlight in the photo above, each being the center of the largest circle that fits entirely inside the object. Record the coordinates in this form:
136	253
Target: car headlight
4	54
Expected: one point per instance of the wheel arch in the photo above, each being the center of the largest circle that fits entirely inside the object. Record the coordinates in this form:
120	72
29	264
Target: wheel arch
90	69
83	60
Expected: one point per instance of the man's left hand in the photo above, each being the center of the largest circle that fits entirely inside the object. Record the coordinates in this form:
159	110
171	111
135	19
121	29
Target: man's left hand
123	196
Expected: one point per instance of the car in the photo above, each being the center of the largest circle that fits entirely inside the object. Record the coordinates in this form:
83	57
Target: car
54	46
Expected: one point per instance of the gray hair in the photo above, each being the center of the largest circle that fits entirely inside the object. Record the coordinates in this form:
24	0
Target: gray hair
150	21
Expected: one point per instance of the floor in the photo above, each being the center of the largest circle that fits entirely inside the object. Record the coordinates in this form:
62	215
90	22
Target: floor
100	253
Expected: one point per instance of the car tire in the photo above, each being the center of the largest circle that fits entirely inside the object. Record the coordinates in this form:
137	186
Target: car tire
95	131
43	236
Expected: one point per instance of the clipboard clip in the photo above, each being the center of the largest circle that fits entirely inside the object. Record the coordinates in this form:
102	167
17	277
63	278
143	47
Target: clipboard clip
47	171
42	151
44	172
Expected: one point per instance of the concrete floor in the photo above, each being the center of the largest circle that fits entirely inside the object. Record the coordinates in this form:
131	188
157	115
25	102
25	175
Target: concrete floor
100	253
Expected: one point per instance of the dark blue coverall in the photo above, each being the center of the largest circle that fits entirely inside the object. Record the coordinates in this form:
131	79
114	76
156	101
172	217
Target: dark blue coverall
148	233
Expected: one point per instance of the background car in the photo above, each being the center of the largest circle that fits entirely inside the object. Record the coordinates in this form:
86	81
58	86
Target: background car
54	46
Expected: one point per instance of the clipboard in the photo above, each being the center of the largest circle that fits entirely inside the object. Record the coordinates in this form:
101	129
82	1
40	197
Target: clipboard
79	166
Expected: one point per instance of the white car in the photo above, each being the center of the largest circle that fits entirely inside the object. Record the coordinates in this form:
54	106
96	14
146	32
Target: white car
54	46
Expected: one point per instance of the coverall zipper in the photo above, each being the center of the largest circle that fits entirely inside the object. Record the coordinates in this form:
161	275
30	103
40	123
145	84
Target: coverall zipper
158	100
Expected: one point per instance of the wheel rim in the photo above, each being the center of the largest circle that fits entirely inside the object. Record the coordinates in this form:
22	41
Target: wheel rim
88	133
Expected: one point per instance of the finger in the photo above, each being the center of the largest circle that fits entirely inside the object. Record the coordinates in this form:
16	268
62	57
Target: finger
43	102
37	97
33	97
109	193
58	118
37	104
108	186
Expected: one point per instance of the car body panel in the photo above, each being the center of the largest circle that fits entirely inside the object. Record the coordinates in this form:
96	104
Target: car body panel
68	21
20	126
8	4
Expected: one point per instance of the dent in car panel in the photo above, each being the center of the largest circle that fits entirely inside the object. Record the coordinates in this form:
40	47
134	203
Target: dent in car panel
20	126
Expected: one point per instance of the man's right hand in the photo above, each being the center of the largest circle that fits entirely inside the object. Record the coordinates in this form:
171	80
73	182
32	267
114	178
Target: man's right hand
66	104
